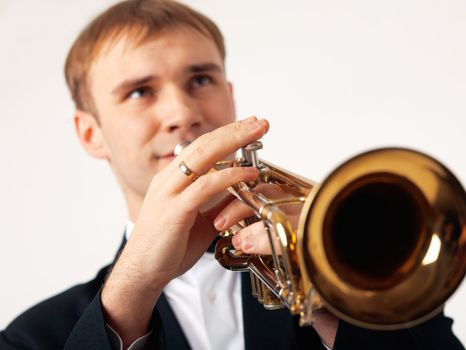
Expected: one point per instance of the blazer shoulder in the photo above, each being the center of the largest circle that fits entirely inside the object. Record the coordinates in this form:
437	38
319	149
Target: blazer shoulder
48	324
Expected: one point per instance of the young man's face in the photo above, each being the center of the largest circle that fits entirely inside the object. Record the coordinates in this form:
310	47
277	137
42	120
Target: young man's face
151	97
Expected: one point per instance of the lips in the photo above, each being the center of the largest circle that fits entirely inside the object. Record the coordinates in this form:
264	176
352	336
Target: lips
175	151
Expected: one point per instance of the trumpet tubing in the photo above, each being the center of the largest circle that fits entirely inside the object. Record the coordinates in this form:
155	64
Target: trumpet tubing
381	242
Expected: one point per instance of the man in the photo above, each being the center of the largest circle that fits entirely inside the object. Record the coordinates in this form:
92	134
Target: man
146	76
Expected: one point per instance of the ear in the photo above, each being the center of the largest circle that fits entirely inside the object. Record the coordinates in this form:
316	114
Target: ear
90	134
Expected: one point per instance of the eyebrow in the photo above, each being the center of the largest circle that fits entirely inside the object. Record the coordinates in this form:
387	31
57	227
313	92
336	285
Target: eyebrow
204	67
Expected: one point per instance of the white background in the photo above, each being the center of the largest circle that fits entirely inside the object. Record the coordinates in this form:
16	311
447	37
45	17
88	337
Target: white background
334	78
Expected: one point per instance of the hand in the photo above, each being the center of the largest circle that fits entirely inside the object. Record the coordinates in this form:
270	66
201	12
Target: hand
169	234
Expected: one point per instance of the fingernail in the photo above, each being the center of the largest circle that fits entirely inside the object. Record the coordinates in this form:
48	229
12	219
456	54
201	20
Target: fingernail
250	119
219	222
259	125
236	241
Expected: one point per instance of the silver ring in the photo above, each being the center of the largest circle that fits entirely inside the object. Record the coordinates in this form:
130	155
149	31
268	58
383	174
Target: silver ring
188	172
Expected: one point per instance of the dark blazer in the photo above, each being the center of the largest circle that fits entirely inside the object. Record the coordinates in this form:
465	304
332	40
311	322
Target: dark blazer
74	320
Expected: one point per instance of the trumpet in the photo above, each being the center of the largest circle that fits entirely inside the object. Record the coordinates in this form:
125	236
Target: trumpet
380	243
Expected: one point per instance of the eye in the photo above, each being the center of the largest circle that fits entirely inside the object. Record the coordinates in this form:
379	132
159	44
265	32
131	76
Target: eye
140	92
201	80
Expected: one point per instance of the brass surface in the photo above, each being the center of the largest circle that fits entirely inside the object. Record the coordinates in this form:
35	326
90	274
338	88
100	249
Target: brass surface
381	242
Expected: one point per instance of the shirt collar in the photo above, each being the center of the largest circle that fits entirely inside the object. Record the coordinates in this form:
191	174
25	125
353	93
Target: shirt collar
129	229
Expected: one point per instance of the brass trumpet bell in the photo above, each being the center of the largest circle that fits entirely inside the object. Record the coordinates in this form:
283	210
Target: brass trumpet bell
381	242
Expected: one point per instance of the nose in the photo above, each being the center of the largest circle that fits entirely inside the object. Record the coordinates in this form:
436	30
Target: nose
181	112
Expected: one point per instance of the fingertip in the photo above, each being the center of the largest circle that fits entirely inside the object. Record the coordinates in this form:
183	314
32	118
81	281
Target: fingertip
236	240
264	123
251	170
250	119
247	245
220	222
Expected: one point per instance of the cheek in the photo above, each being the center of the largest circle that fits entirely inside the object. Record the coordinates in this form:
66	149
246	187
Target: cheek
132	133
142	130
221	111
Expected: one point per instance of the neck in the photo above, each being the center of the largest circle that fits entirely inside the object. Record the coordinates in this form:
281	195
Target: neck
133	203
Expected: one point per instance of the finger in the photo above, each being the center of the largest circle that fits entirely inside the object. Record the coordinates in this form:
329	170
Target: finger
234	212
203	189
201	155
254	239
237	210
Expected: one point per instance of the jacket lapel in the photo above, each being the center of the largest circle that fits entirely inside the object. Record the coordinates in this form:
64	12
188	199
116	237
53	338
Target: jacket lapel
175	338
264	329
